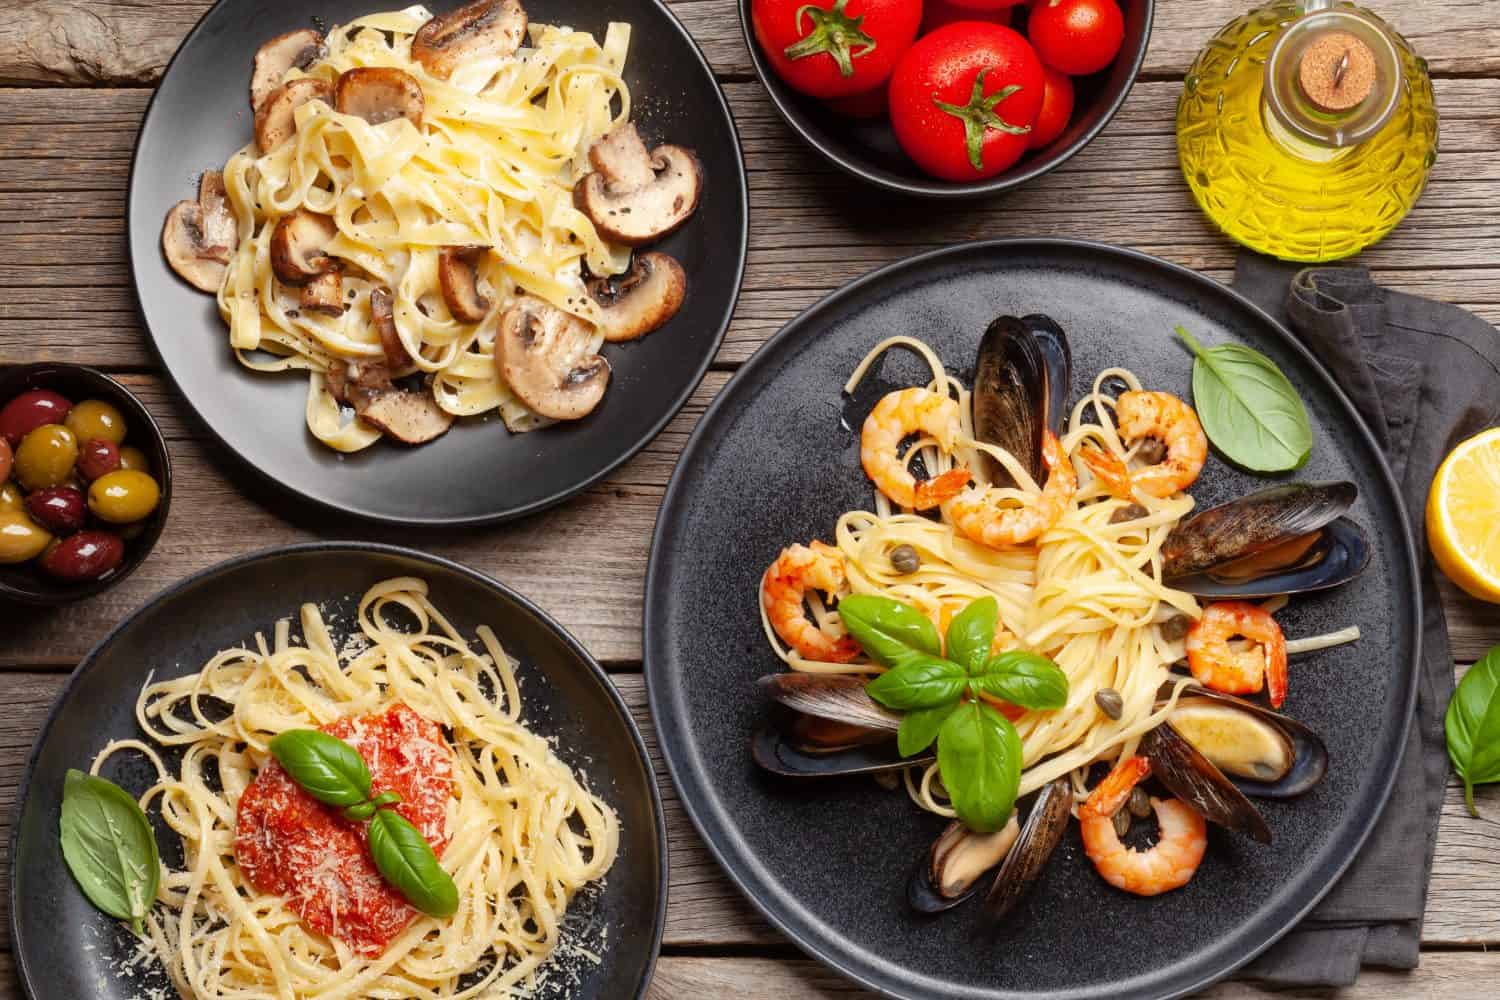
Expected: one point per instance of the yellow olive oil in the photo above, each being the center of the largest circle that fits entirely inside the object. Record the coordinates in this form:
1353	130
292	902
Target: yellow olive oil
1306	130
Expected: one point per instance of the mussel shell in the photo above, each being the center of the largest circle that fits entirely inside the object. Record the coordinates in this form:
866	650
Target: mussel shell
1309	752
923	889
1194	779
1251	524
1044	829
1010	397
837	697
775	750
1059	357
1341	553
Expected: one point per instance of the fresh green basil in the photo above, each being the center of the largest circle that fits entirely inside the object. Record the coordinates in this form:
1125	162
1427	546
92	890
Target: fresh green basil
1248	408
890	632
920	682
979	758
405	860
971	633
1473	726
1024	679
110	847
326	767
919	728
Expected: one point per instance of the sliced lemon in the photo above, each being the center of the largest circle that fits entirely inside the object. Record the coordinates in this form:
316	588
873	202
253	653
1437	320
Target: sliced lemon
1463	516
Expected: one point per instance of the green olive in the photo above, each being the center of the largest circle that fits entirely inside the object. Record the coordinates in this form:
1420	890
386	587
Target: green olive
21	538
132	457
11	498
46	457
123	496
95	419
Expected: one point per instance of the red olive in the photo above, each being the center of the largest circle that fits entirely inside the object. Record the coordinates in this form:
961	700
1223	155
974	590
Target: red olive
87	555
98	457
31	410
62	510
7	459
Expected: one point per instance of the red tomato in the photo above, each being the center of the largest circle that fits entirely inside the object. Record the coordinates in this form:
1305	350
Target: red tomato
834	48
936	13
1057	109
964	98
1078	37
871	104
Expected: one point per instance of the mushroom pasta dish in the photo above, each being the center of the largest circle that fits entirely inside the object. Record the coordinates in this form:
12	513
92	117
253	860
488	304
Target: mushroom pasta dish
439	216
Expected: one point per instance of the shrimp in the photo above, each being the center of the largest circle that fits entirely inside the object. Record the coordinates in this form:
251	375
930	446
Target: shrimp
982	519
1164	418
1168	865
1218	665
797	570
896	417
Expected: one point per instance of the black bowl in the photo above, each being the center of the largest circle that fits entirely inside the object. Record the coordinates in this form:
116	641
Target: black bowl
867	149
23	582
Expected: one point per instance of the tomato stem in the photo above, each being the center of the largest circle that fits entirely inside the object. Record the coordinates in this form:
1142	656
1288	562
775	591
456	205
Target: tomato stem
979	116
834	32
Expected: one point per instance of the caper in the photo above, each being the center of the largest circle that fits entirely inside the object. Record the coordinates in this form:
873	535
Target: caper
905	560
123	496
1151	451
1175	628
1130	512
1109	702
46	457
1140	803
21	538
1122	822
94	419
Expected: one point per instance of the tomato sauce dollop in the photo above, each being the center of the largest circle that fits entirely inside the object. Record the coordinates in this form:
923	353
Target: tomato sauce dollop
290	844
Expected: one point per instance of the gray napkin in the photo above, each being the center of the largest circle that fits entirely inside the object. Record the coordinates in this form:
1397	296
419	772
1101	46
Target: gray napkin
1424	375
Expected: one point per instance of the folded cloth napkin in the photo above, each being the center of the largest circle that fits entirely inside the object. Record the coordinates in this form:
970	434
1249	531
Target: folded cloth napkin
1424	375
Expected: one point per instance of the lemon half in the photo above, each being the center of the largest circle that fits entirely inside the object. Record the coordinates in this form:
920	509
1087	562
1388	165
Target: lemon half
1463	516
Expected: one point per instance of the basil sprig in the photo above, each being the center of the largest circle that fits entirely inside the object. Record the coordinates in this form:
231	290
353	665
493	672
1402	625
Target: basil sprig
1473	726
406	861
979	752
110	847
1248	408
326	767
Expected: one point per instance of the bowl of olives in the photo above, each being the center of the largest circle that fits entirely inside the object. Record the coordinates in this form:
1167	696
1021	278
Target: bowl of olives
84	483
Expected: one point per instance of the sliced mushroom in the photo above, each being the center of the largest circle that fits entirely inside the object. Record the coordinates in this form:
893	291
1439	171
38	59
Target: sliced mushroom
220	232
396	355
460	282
483	29
275	120
297	245
542	353
352	382
379	94
324	294
282	54
634	197
408	417
640	300
199	236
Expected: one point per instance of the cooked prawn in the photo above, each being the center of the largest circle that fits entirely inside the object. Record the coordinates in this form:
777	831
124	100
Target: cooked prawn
1165	418
783	589
896	417
1218	665
1168	865
981	518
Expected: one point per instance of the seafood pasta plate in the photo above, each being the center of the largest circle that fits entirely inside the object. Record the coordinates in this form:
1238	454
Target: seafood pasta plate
982	669
498	832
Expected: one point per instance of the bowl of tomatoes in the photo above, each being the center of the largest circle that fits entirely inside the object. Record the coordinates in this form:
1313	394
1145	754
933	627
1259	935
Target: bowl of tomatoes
947	98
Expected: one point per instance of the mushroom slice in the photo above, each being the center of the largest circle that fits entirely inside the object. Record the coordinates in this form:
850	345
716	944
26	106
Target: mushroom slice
297	245
324	294
460	282
183	242
408	417
379	94
282	54
220	232
634	197
274	119
485	29
541	353
396	355
640	300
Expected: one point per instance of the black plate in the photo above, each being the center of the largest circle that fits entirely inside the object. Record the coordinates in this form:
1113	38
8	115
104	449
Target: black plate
478	472
771	464
64	947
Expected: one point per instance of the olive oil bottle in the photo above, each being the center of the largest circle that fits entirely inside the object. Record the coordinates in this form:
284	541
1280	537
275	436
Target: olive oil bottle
1306	129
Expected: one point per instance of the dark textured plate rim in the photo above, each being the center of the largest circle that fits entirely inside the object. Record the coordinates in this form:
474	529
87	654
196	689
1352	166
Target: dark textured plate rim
503	514
525	604
935	188
683	766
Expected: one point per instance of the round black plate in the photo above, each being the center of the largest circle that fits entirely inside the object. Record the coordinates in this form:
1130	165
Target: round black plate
771	463
478	472
65	949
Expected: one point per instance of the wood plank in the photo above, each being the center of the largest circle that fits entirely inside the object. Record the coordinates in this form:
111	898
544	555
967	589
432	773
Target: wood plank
125	42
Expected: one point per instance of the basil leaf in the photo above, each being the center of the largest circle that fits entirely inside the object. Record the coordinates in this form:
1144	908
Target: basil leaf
360	811
1473	726
1024	679
326	767
110	847
890	632
920	727
971	633
406	861
921	682
1248	408
979	758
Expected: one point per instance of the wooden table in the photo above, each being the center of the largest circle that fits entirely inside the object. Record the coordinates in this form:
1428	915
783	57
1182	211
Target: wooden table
75	76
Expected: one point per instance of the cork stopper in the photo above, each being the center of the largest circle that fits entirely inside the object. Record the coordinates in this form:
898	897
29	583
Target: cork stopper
1337	71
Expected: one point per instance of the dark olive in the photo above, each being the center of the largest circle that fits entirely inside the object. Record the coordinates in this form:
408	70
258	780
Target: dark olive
1151	451
87	555
1122	822
59	509
905	560
1139	803
46	457
95	419
31	410
133	458
98	458
21	538
11	498
1130	512
1175	628
123	496
1109	702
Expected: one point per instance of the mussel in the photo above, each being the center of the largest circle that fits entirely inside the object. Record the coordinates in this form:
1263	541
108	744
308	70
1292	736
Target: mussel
1194	779
1288	539
1265	754
1059	357
950	872
1044	829
1021	381
829	728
